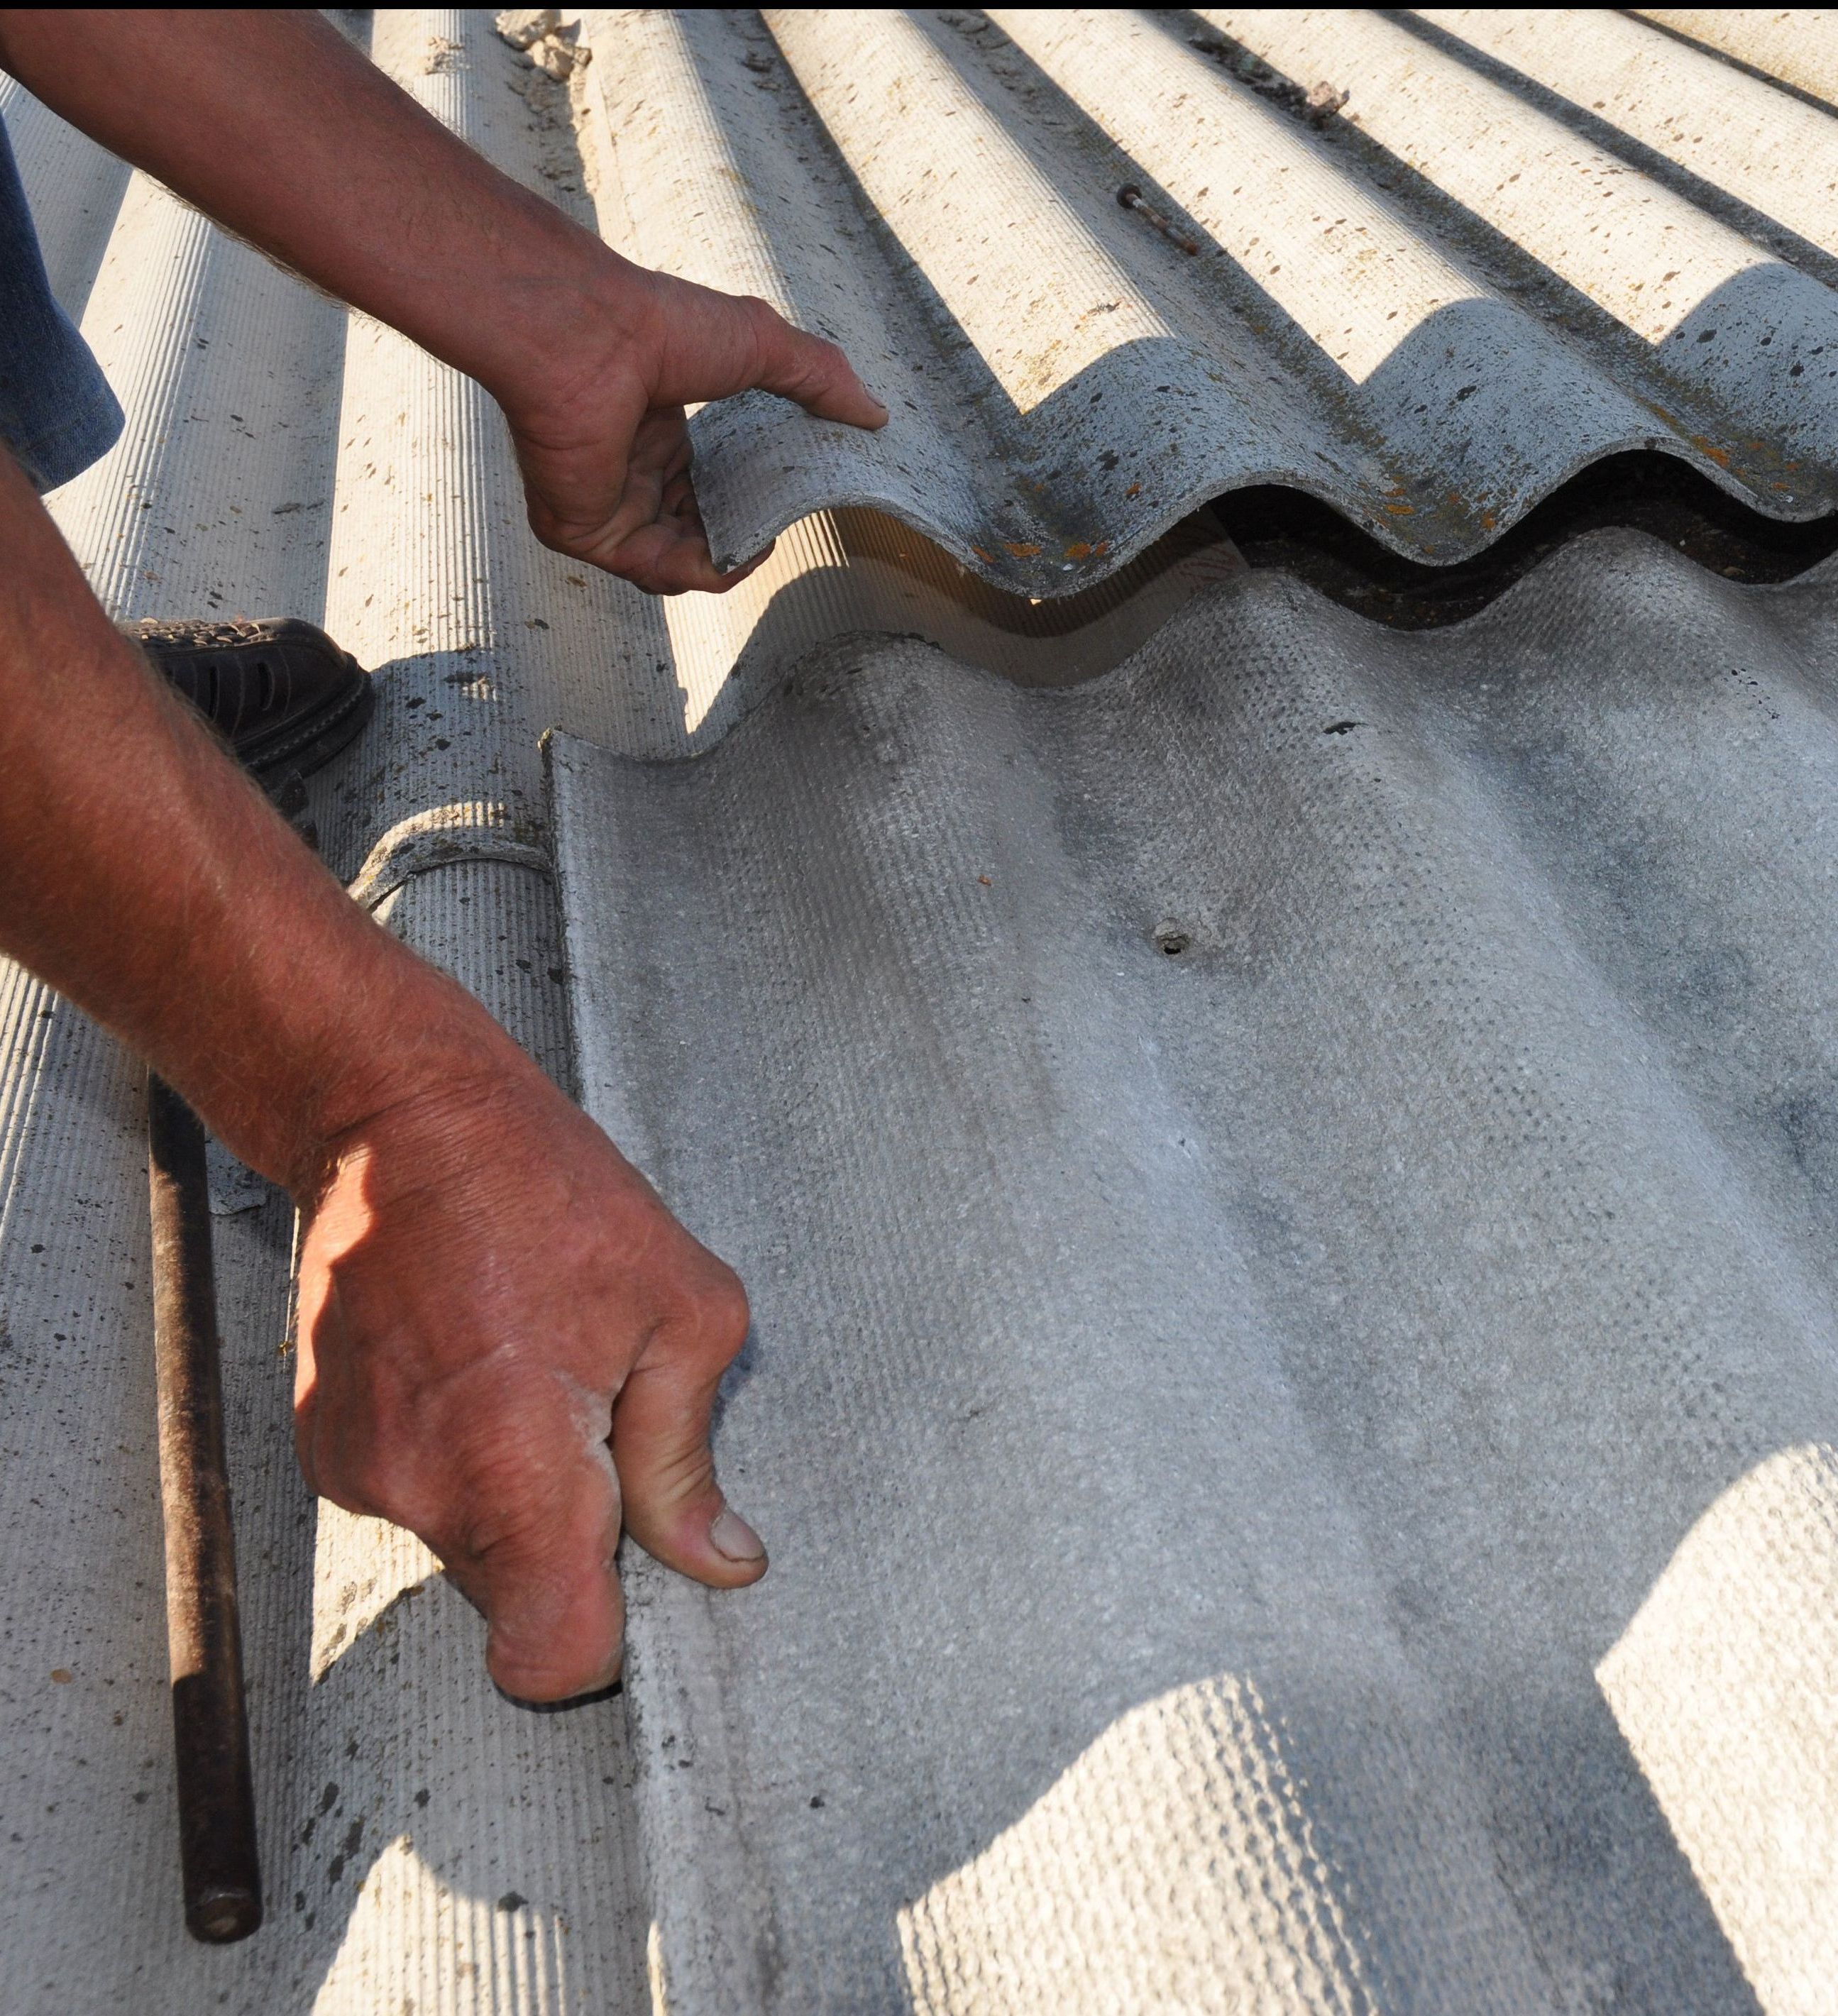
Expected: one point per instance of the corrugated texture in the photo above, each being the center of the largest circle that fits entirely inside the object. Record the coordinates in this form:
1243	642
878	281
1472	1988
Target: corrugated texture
1288	1196
426	1845
1213	1409
1798	46
1525	242
277	461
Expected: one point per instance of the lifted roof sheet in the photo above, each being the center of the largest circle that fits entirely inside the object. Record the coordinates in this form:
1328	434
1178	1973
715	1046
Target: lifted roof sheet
1523	242
1412	1287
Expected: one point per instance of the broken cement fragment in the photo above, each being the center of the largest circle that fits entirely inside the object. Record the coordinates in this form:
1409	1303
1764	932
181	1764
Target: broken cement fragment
1322	102
540	33
521	26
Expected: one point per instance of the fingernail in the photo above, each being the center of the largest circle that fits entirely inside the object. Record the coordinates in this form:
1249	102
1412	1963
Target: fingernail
732	1538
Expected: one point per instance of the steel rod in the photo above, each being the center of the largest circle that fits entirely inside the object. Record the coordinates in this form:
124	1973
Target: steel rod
216	1846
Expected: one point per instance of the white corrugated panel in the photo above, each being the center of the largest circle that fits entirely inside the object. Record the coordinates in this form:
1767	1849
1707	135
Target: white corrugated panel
1295	1463
1288	1196
1484	273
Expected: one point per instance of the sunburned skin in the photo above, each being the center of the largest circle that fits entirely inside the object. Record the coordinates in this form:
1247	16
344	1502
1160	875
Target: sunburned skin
508	1344
476	1255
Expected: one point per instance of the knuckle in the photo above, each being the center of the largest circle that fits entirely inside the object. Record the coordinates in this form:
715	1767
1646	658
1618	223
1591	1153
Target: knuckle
490	1539
722	1311
508	1499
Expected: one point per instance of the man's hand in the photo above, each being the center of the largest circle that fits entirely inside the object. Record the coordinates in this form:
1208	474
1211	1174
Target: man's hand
272	123
502	1334
489	1291
605	452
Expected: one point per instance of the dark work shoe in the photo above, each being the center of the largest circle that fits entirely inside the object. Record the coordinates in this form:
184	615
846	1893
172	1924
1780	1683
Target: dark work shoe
279	691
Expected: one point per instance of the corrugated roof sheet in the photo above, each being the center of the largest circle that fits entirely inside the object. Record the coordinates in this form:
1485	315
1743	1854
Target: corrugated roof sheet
1288	1195
1293	1391
1797	46
1428	308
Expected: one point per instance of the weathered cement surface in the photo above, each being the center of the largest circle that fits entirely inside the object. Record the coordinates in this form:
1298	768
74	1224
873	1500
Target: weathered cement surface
1287	1197
1515	248
276	459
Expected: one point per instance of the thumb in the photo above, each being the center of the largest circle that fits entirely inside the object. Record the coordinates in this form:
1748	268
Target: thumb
809	370
675	1509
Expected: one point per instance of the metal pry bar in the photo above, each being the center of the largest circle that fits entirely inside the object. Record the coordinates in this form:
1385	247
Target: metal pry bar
217	1849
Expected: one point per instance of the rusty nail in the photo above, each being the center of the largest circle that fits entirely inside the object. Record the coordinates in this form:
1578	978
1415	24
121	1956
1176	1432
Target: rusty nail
1130	197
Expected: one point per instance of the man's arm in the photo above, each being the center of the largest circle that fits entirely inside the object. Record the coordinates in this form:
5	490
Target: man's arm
488	1290
491	1299
272	123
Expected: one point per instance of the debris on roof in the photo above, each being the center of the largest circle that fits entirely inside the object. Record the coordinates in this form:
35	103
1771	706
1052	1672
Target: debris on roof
1285	1166
1430	310
554	47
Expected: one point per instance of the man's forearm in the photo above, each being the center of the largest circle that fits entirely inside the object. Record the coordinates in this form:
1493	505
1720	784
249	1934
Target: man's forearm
146	878
273	124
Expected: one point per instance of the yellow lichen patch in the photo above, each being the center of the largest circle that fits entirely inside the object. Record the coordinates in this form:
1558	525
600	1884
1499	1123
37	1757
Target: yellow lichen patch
1078	550
1021	552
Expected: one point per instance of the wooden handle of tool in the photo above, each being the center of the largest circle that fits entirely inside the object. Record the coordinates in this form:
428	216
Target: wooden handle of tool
209	1719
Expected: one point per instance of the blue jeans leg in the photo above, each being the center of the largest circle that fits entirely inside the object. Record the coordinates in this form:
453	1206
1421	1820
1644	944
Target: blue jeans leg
57	414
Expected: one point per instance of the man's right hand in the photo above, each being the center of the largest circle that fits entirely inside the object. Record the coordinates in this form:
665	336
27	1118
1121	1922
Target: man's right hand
506	1344
272	123
601	432
488	1290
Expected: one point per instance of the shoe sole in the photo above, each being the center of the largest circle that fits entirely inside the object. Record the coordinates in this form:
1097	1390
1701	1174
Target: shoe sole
309	744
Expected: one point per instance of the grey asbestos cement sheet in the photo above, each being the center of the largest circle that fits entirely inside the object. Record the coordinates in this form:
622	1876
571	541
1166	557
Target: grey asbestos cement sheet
1288	1194
425	1845
424	1841
1794	45
1103	266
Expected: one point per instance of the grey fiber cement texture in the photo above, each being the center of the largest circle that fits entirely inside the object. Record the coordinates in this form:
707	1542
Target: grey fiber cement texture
1299	1468
275	459
1528	239
425	1845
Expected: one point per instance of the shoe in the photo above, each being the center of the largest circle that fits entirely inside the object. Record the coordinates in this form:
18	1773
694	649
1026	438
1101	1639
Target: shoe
279	691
